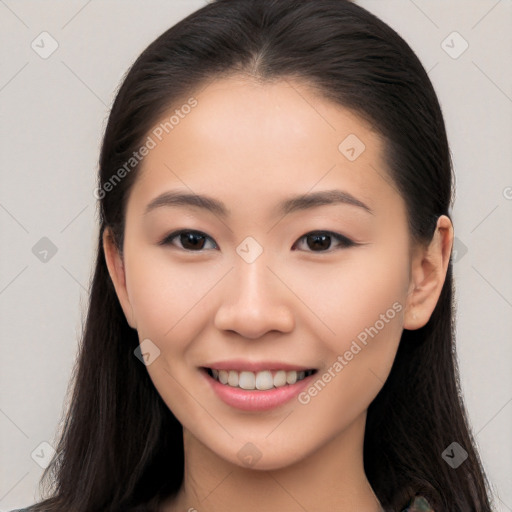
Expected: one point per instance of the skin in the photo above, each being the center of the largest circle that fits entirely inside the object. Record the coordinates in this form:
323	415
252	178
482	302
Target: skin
251	145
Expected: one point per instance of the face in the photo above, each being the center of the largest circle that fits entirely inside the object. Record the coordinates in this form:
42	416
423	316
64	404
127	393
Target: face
262	285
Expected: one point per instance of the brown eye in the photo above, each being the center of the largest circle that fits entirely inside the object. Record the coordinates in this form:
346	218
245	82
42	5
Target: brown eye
189	240
321	241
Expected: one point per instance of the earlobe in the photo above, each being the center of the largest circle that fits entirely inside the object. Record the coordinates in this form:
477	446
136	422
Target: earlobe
428	273
116	269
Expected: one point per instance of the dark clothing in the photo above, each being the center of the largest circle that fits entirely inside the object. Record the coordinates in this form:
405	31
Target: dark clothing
418	504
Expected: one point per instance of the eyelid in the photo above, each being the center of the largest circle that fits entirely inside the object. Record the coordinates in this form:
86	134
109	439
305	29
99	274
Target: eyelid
167	239
345	242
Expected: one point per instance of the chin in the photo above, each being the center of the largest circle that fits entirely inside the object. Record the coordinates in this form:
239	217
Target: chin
254	455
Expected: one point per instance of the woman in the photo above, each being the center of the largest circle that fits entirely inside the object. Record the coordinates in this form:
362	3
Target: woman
271	320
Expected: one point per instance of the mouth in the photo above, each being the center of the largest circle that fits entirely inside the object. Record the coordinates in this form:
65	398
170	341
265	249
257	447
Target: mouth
258	381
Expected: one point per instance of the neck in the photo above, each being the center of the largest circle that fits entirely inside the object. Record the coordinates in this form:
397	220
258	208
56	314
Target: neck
331	478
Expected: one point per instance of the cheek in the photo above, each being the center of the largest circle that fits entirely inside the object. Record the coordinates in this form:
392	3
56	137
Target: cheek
166	297
167	301
359	357
351	294
363	303
374	291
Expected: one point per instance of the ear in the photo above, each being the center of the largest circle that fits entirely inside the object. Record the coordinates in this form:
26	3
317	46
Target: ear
116	269
428	272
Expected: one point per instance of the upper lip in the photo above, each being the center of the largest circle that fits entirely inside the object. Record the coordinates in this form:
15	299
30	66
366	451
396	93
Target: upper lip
255	366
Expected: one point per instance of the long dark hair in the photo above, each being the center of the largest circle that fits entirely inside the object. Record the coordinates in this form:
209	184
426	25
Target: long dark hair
121	447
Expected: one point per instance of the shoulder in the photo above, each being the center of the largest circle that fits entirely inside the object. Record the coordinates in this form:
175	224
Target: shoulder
418	504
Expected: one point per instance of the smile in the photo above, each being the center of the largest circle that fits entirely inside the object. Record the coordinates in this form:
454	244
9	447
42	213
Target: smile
262	380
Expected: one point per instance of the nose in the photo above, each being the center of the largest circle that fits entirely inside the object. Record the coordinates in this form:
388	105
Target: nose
254	301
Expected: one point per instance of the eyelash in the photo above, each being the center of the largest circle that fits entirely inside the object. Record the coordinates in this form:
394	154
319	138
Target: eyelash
345	242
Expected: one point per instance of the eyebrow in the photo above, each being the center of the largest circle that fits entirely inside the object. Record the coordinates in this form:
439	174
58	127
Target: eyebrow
290	205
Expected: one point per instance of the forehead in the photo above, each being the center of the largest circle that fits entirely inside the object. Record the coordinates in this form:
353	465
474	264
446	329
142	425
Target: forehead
284	116
248	141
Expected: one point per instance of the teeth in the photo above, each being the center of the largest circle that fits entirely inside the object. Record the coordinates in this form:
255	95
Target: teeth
261	380
291	377
247	380
233	378
223	376
264	380
280	378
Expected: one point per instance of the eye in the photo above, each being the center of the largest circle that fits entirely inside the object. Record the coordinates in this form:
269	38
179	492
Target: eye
317	241
193	241
320	241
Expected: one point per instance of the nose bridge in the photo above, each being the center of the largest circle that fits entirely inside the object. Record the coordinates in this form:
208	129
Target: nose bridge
254	278
254	300
251	271
254	283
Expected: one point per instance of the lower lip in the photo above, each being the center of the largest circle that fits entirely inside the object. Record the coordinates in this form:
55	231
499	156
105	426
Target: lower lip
256	400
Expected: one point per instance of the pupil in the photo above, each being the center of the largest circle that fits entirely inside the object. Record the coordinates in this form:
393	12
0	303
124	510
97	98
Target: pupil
324	241
189	238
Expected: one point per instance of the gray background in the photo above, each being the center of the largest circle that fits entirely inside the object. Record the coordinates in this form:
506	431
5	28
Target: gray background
53	113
